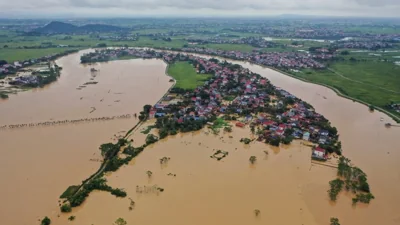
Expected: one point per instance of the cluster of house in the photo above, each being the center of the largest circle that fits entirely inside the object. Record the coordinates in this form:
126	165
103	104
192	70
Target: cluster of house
395	106
274	110
313	32
117	38
11	68
371	45
25	80
257	42
272	59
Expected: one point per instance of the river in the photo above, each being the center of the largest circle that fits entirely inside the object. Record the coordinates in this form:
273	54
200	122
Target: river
39	163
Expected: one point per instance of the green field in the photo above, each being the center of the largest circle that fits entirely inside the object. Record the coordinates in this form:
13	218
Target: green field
11	55
373	82
186	76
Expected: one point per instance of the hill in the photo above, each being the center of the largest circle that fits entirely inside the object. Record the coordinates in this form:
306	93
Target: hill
56	27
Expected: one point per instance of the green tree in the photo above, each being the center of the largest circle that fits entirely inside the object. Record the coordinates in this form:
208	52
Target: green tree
66	208
146	109
150	139
252	129
46	221
335	221
345	52
101	45
71	218
371	108
252	159
120	221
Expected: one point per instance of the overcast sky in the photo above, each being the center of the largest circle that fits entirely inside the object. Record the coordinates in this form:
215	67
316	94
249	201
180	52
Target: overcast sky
135	8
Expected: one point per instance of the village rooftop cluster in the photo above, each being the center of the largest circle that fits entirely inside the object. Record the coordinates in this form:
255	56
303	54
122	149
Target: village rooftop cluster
235	93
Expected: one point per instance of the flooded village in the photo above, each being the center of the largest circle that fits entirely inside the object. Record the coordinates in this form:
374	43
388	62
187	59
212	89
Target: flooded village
243	101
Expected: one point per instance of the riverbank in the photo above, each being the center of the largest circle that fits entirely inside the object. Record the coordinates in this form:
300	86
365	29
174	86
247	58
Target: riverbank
340	93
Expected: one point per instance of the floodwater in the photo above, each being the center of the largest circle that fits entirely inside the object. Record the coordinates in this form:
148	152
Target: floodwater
283	184
39	163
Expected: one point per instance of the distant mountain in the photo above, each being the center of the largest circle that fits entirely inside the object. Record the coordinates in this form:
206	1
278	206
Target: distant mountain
66	28
57	27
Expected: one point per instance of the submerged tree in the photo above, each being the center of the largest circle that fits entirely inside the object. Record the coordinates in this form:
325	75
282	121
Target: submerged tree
120	221
252	159
335	221
71	218
46	221
371	108
257	212
149	173
66	208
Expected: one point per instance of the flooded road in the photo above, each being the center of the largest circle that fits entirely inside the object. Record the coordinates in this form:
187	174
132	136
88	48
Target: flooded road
39	163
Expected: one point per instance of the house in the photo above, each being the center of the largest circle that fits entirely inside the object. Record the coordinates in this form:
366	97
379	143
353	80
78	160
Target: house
239	124
306	136
322	140
319	154
324	132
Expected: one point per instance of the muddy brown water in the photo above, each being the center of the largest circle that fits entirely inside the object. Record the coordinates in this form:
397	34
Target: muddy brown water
39	163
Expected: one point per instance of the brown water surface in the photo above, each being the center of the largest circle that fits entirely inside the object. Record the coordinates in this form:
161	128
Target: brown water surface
39	163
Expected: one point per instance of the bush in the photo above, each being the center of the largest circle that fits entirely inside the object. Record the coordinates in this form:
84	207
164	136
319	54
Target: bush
118	192
46	221
150	139
335	221
66	208
336	187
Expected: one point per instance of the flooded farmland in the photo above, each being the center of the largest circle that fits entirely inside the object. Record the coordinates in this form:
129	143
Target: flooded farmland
39	163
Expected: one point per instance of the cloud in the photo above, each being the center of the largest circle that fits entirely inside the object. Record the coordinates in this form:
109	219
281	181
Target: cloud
201	7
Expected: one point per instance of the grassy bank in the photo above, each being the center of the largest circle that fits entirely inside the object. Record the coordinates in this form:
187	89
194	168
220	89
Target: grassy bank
373	83
186	76
341	89
11	55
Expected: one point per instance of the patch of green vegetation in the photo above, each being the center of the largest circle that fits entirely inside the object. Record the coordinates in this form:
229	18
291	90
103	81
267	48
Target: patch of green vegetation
229	98
373	30
220	123
71	218
352	179
245	140
219	154
66	208
186	76
11	55
334	221
375	83
230	47
45	221
336	186
70	191
253	159
3	95
126	57
148	129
